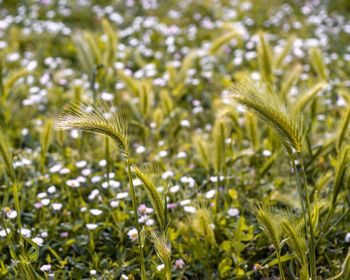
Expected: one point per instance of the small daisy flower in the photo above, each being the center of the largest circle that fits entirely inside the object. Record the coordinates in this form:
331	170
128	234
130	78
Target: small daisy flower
55	168
45	267
233	212
91	226
56	206
38	240
174	189
167	174
210	194
73	183
81	164
122	195
96	212
133	235
160	267
114	203
45	201
11	214
51	189
190	209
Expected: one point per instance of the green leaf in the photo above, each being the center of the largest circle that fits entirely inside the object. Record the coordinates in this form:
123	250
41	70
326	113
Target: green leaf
284	258
225	267
34	256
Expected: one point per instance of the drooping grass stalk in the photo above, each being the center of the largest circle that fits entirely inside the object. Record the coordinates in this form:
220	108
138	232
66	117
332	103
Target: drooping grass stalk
296	243
288	125
267	105
100	121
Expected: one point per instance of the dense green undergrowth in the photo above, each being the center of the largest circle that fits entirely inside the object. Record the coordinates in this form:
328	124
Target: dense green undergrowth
174	139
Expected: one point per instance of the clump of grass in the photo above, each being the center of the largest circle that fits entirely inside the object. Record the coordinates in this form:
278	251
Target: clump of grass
163	251
292	231
201	224
270	223
289	127
99	120
339	176
24	262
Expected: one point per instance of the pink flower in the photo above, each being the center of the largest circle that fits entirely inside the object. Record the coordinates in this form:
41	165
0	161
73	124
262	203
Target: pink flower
38	205
171	205
257	267
179	263
142	209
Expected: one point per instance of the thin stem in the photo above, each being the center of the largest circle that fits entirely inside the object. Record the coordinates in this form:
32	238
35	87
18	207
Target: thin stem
108	159
133	198
268	258
300	192
280	265
167	271
312	237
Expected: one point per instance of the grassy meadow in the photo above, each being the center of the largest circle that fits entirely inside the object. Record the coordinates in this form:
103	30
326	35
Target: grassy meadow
163	139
